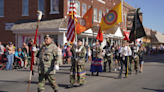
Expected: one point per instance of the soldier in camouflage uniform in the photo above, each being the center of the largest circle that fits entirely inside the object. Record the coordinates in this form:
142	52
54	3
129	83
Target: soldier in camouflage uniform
77	73
96	64
135	58
49	58
108	56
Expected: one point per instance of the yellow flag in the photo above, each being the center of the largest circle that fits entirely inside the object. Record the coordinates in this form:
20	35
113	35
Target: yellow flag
112	18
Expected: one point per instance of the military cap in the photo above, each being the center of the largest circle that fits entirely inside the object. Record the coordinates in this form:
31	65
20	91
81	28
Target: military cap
80	40
48	36
10	43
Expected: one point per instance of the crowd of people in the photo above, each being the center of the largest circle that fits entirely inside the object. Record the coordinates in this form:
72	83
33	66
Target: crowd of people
128	55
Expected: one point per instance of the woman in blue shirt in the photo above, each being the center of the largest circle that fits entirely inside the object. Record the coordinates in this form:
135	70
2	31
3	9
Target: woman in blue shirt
19	56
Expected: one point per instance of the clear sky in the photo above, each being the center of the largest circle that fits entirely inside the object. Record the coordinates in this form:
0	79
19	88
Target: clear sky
153	13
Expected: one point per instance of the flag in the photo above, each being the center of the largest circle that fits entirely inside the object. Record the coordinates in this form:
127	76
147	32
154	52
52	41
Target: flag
80	28
112	18
140	32
71	24
86	21
100	33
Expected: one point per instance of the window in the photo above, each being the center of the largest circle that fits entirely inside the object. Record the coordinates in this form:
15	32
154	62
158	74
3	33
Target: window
107	10
77	8
68	6
84	9
124	19
95	14
41	5
89	7
25	8
54	7
100	15
1	7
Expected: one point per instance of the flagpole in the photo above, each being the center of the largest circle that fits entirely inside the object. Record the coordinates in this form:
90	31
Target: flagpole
135	25
32	59
122	18
92	25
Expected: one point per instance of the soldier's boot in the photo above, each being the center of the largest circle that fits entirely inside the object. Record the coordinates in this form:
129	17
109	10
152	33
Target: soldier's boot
104	70
130	72
56	91
71	85
109	69
97	74
92	74
136	71
81	85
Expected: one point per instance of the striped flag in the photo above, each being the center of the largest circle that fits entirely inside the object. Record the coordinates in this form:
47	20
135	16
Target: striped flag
71	24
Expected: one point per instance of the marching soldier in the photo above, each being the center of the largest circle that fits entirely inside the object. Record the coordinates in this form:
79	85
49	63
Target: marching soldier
96	64
125	53
135	57
108	56
77	73
49	58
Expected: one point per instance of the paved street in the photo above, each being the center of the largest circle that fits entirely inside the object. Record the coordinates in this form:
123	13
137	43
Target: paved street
151	80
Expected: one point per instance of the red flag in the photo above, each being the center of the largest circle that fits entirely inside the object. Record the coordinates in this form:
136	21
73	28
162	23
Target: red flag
100	35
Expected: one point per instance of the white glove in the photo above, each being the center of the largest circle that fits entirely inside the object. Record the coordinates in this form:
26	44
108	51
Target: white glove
108	54
56	67
34	49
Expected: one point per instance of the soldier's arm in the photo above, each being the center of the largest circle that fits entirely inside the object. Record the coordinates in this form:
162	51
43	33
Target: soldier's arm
37	55
82	53
57	56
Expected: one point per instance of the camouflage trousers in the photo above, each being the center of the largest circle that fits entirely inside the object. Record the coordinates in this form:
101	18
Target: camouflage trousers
135	62
109	61
77	74
42	80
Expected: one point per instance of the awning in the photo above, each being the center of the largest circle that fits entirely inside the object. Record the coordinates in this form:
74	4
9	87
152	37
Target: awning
126	35
158	38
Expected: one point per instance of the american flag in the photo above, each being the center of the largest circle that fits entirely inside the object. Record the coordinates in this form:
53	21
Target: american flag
71	24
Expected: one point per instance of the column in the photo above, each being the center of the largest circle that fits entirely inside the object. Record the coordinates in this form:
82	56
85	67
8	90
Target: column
111	41
64	38
42	38
87	39
83	40
16	41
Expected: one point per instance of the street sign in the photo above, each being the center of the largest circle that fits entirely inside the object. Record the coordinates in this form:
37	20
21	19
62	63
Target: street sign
130	19
8	26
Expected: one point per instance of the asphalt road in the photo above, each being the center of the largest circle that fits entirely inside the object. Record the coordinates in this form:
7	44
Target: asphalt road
151	80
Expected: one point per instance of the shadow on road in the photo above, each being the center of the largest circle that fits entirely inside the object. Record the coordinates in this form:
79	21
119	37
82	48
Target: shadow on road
3	91
156	90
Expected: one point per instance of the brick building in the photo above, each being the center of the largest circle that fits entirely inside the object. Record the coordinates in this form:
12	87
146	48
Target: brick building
18	19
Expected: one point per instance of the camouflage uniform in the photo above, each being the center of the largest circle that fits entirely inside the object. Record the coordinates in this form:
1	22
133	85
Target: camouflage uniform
49	56
77	73
135	58
96	64
108	57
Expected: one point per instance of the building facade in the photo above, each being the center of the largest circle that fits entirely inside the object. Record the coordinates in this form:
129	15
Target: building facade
19	19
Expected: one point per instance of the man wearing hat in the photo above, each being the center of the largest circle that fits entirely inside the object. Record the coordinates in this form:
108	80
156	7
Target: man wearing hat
49	57
125	53
108	56
96	64
77	73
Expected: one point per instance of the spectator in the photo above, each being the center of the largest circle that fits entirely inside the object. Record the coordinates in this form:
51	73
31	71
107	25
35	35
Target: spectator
60	52
68	53
30	44
19	56
1	49
141	58
63	54
89	54
25	50
10	56
86	47
65	46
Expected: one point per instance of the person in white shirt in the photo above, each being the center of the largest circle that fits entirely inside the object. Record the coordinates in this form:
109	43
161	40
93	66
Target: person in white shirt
125	52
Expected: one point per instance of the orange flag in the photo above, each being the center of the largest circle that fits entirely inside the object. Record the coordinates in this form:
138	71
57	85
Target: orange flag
80	28
100	35
86	22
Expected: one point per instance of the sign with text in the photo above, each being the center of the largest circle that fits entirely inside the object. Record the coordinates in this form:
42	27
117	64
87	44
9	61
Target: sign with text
8	26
